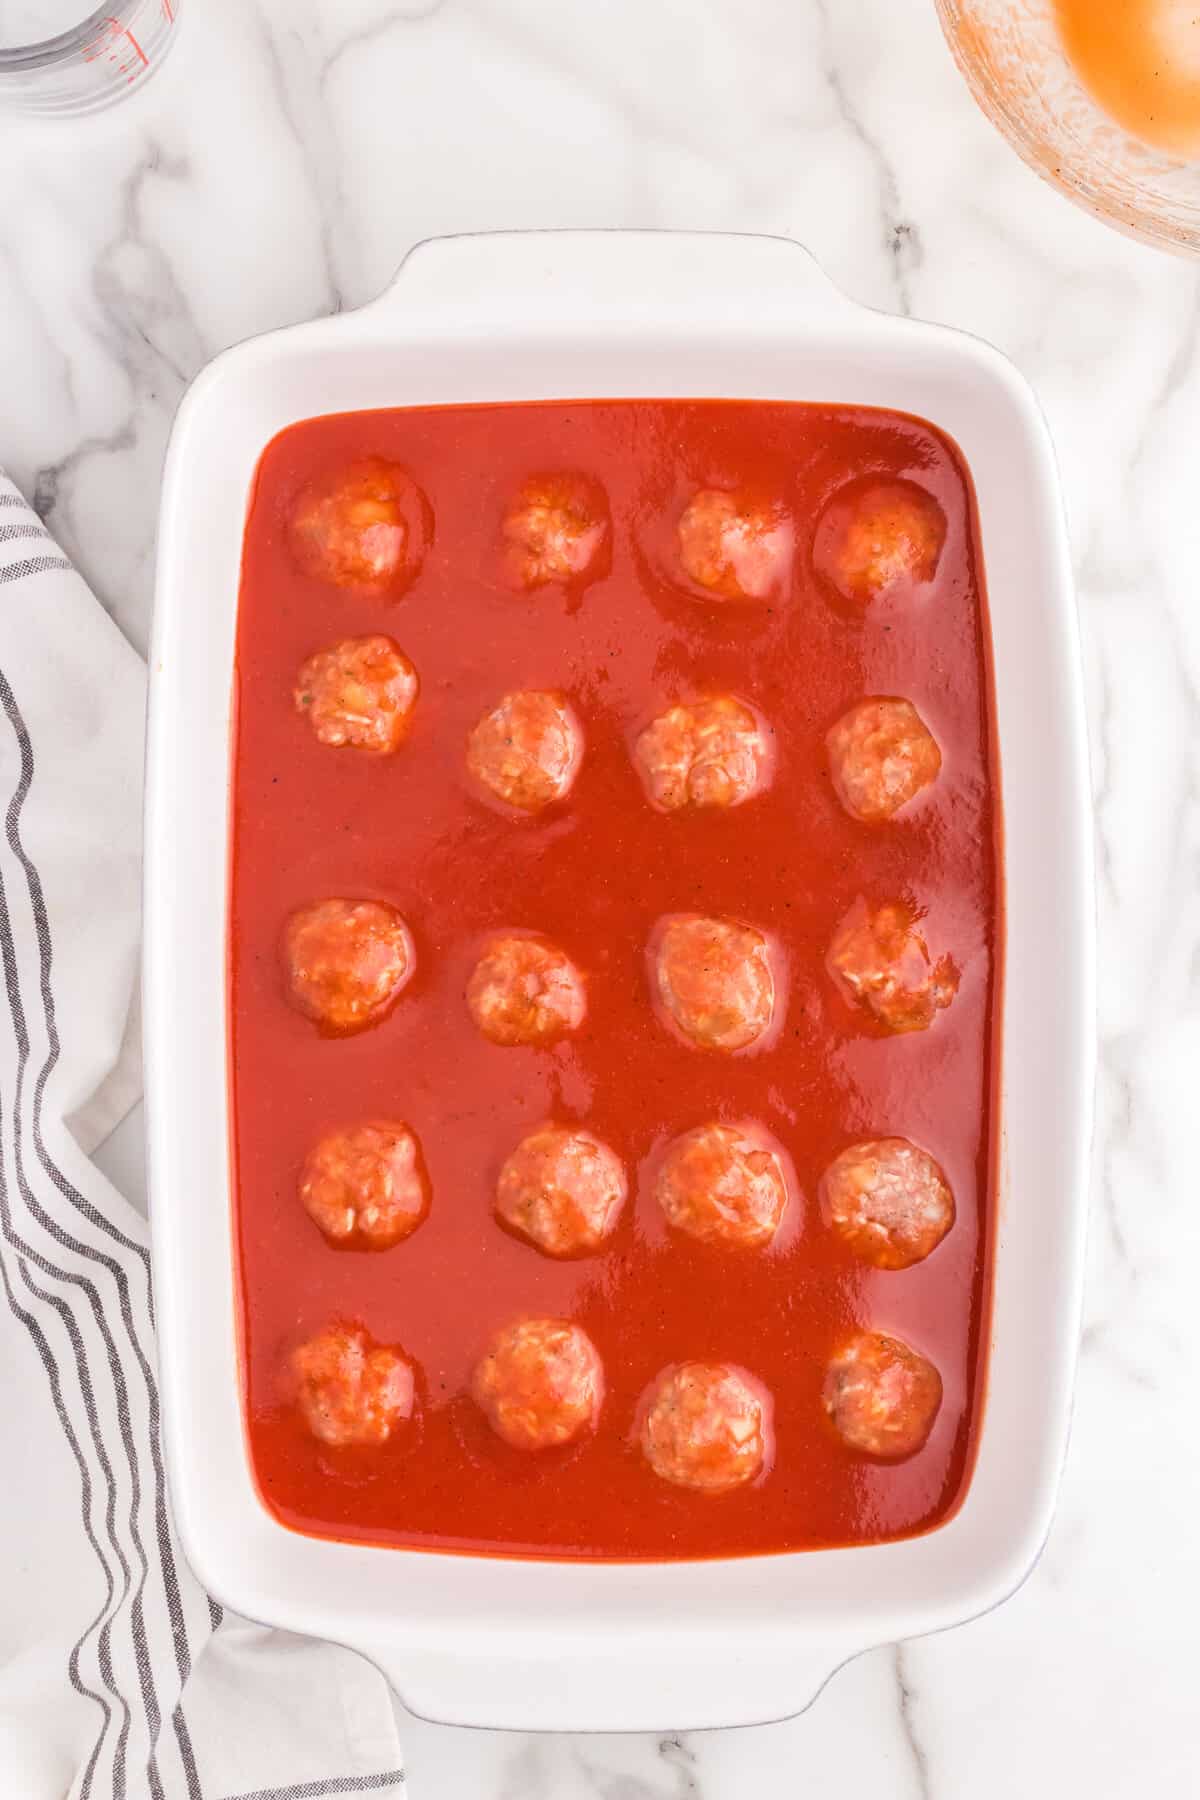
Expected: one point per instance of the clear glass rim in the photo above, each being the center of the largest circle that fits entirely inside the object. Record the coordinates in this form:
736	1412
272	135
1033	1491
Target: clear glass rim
24	58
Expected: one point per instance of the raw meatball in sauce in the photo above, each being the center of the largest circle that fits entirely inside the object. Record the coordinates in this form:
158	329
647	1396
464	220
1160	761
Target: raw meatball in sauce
881	756
539	1384
876	539
525	990
714	980
364	527
360	692
882	1395
556	529
347	962
365	1187
881	964
889	1201
526	752
710	753
562	1190
706	1426
736	546
349	1389
725	1185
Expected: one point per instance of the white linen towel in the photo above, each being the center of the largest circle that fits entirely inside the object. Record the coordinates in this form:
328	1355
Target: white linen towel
120	1679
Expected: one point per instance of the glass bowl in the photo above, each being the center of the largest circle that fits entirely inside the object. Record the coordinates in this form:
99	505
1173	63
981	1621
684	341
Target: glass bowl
1015	65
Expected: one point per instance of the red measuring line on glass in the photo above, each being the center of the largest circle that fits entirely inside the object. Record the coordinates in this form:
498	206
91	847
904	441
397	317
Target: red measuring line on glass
118	45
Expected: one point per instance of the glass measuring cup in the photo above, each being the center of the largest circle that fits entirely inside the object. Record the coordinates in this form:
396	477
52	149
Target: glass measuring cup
102	56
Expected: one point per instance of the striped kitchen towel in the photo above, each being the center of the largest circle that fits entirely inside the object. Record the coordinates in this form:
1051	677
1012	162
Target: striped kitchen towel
119	1676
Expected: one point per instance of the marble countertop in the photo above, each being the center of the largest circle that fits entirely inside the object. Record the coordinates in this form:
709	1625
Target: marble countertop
280	166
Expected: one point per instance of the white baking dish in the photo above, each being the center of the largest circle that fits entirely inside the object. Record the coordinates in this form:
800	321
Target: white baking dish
494	1641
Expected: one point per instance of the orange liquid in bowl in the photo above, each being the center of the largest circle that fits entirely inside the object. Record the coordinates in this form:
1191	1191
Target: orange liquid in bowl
1141	61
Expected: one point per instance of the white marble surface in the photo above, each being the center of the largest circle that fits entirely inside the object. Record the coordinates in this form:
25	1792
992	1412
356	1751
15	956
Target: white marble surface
280	166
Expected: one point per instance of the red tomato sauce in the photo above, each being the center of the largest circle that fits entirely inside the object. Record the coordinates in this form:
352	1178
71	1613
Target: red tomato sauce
595	874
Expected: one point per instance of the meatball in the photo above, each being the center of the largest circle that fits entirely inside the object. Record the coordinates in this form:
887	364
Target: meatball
365	1187
705	1426
525	990
360	692
556	529
539	1384
712	752
347	962
882	1395
889	1201
876	538
880	962
527	750
881	756
736	546
349	1389
562	1190
363	527
714	980
724	1184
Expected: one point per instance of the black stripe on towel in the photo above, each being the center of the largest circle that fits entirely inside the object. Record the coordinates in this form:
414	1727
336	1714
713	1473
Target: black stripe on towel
102	1623
166	1554
104	1617
33	565
325	1790
134	1586
170	1574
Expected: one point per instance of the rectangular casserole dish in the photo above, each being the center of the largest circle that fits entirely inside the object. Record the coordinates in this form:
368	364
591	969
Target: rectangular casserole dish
536	1644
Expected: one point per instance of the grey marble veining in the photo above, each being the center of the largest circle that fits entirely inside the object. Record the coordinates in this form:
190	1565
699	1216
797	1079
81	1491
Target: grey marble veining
280	166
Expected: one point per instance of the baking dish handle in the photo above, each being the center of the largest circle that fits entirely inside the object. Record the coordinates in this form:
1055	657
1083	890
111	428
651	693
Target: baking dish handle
561	278
632	1682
